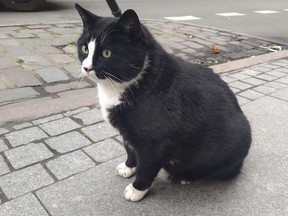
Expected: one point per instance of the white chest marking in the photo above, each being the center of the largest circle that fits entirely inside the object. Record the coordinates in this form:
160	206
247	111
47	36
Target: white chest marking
108	97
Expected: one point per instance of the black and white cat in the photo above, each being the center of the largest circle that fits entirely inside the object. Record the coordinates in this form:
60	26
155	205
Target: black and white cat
177	119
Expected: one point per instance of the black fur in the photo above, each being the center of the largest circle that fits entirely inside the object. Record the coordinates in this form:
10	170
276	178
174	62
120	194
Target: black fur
180	116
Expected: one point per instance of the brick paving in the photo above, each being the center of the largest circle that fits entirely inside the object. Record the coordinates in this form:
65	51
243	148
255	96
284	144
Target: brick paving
50	133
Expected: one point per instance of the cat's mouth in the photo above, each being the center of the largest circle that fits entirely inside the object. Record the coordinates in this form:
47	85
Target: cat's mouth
91	73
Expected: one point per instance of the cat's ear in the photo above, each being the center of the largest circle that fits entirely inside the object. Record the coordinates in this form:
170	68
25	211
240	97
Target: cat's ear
130	24
87	17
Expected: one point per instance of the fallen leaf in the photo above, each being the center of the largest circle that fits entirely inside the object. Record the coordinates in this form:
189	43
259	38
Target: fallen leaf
214	49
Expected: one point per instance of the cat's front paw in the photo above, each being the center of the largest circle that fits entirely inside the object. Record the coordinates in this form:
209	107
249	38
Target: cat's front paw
132	194
124	171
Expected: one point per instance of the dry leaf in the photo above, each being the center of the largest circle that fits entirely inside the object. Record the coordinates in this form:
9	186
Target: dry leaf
214	49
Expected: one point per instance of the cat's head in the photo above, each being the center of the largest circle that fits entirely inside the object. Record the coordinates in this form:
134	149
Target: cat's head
112	48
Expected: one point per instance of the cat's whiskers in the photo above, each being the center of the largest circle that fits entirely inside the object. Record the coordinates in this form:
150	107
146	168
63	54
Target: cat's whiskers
121	81
81	80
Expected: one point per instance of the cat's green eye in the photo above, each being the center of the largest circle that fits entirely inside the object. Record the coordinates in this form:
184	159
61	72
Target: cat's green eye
106	53
85	49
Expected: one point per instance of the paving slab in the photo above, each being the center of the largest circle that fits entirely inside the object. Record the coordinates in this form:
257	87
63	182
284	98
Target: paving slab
105	150
52	74
69	164
68	142
3	147
16	94
59	126
28	154
3	166
261	188
25	136
26	205
90	116
100	131
24	181
282	94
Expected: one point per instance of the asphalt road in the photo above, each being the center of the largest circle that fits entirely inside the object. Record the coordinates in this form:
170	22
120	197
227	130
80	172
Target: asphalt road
270	26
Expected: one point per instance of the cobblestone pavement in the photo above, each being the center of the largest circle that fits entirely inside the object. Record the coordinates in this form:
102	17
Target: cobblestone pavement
57	155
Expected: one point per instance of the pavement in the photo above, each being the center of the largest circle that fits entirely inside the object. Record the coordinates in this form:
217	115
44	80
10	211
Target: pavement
58	156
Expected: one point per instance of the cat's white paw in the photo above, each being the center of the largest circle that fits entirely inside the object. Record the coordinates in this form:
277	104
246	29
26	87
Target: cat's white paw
184	182
132	194
124	171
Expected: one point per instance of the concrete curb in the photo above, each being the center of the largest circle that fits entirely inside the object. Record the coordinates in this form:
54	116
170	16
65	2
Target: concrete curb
248	62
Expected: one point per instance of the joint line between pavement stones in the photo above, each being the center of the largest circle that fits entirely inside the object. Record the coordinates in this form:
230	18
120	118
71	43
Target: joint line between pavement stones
96	162
11	168
3	196
49	172
34	193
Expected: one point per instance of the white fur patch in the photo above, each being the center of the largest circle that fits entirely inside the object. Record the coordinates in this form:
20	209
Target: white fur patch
124	171
88	62
110	92
163	175
132	194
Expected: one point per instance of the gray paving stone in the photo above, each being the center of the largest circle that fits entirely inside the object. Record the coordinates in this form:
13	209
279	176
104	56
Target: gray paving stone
283	80
235	90
250	94
266	77
24	181
70	164
276	73
276	85
242	100
239	76
193	45
35	60
90	116
68	142
47	119
26	205
261	69
22	35
240	85
228	79
254	81
59	126
3	147
271	66
28	154
18	93
19	51
6	62
3	166
3	131
105	150
265	89
284	70
202	41
52	74
25	136
251	72
282	94
280	63
73	112
21	126
21	78
100	131
9	42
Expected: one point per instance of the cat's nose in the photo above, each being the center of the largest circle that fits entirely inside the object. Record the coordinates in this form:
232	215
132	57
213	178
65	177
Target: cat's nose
88	69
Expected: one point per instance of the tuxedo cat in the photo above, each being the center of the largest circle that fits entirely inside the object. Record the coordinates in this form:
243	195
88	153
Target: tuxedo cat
178	120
